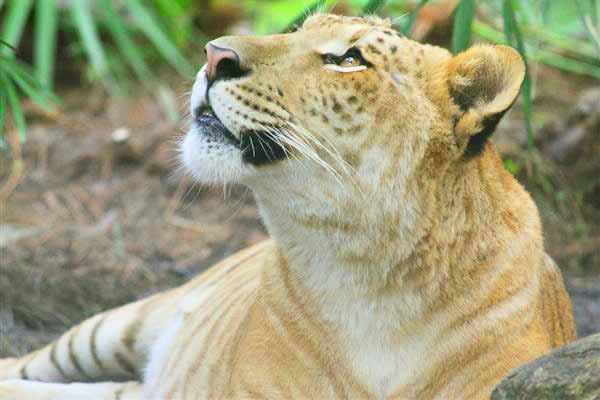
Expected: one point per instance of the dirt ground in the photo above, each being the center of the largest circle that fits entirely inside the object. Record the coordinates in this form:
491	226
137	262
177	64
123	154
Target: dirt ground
100	218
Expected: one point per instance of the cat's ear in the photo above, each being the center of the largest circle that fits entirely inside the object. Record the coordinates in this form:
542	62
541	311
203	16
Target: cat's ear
483	82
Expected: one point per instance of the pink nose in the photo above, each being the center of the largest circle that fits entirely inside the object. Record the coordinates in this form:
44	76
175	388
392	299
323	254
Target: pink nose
219	59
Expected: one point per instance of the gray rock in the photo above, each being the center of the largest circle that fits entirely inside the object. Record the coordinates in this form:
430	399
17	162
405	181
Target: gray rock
585	296
571	372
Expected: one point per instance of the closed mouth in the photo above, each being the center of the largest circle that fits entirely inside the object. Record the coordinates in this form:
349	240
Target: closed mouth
257	147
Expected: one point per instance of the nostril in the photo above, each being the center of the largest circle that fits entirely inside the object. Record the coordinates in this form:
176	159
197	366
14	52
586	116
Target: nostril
229	68
223	63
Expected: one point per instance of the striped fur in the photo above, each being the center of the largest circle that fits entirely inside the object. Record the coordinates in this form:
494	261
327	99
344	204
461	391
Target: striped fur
405	262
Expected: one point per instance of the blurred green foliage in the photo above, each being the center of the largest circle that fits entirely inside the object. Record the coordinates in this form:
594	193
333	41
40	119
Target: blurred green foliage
119	39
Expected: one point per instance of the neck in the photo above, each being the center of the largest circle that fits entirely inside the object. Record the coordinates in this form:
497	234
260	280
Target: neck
338	239
392	241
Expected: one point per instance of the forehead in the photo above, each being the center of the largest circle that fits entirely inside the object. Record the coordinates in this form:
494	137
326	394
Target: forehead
336	21
334	34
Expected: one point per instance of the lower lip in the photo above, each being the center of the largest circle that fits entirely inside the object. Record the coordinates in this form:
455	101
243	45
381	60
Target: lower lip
211	125
268	153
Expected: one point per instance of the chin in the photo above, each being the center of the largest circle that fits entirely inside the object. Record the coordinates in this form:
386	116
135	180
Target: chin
211	160
219	149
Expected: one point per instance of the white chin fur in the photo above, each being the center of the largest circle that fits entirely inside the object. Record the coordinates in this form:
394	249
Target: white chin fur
214	162
221	163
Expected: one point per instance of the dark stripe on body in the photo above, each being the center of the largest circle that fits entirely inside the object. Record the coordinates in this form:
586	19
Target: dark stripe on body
54	361
119	393
295	300
215	329
94	343
131	333
73	356
124	363
23	372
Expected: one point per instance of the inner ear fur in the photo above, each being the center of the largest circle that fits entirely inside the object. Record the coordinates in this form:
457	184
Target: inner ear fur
483	82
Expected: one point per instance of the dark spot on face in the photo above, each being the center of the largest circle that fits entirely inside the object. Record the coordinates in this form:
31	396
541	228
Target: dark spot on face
353	159
371	90
337	107
380	39
373	49
346	117
269	112
352	99
393	48
339	131
355	37
324	118
279	92
353	130
313	112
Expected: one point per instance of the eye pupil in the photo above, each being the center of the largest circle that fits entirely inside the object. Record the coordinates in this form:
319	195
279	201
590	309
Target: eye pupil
352	58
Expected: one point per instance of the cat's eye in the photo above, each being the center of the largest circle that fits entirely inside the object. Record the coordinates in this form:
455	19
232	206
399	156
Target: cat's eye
351	61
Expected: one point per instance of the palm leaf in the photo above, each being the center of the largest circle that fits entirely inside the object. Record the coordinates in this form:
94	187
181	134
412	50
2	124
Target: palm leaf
127	47
406	29
2	118
547	57
372	7
14	104
83	20
307	12
14	23
25	80
513	35
46	26
150	27
463	21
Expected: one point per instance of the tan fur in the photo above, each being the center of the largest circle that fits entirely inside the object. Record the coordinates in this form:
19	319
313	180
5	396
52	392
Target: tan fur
413	269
